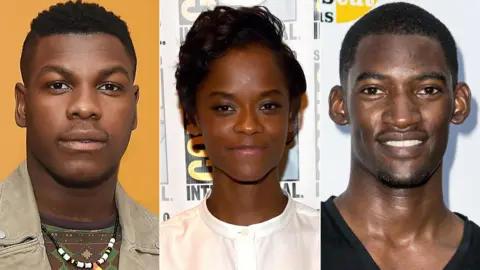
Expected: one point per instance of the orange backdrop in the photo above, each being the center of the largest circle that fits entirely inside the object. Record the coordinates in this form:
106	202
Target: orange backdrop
140	166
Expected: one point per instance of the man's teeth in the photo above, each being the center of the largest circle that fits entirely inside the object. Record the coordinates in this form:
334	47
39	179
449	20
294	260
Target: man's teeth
407	143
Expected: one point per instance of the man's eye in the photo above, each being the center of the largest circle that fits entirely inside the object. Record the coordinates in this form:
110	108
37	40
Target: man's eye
372	91
59	86
429	91
109	87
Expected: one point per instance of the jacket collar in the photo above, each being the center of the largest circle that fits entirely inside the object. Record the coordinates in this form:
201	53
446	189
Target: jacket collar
18	208
20	217
140	227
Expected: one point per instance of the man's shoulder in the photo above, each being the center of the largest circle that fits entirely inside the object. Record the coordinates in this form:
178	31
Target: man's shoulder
471	230
12	179
148	214
470	247
475	235
474	225
139	225
135	210
16	192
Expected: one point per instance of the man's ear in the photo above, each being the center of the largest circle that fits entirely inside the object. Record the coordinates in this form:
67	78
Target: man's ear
136	89
337	106
20	105
462	98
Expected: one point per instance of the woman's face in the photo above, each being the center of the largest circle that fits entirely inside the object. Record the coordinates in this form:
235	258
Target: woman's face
243	113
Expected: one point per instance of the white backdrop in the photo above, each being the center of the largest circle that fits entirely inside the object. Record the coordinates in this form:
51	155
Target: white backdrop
461	184
184	169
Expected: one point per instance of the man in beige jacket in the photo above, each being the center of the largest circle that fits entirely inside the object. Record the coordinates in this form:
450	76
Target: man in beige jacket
63	208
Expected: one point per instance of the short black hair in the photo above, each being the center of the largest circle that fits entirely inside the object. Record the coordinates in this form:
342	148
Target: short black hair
398	19
217	31
74	18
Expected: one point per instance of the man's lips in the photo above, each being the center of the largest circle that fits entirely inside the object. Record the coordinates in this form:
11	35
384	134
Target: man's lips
398	139
83	140
400	145
404	143
86	145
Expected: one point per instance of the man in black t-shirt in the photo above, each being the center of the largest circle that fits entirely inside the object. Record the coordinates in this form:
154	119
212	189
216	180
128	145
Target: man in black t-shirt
399	92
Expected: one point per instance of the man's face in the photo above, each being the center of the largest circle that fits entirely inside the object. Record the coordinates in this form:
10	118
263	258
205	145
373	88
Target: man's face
243	112
399	103
80	106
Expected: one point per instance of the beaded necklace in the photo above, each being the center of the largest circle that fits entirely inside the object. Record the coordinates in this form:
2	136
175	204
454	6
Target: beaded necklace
87	265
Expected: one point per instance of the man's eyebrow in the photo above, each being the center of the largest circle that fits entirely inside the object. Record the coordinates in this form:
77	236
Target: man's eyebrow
69	74
432	75
370	75
112	70
56	69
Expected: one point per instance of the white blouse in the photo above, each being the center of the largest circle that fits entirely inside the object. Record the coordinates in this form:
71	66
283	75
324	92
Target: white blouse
196	240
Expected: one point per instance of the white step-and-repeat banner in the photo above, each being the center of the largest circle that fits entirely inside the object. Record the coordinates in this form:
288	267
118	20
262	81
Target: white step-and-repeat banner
185	168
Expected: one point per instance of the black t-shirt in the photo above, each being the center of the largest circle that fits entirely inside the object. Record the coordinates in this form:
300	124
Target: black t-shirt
342	250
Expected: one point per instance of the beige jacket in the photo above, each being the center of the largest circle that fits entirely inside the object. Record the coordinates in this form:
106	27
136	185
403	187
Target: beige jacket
22	244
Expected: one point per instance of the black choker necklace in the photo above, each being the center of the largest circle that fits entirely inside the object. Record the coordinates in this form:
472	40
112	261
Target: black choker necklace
88	265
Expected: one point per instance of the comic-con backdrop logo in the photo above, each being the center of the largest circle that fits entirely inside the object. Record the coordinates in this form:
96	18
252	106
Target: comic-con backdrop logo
189	10
341	11
199	167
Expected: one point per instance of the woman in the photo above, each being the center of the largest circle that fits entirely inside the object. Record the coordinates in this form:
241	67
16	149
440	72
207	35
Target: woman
240	87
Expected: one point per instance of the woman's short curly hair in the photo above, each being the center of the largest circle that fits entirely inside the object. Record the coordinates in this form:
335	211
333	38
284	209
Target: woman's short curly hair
217	31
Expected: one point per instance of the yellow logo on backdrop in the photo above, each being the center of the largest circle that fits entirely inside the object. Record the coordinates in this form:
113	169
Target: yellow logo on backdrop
350	10
194	141
199	176
343	11
198	163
